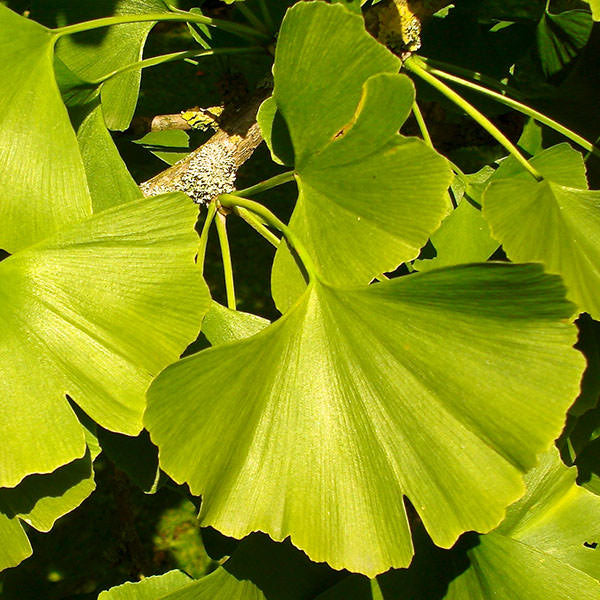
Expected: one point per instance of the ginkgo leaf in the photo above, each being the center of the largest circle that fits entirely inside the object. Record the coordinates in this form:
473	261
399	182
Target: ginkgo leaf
42	180
93	312
218	585
464	235
316	427
92	55
369	198
561	164
561	37
555	222
40	500
170	145
544	550
109	181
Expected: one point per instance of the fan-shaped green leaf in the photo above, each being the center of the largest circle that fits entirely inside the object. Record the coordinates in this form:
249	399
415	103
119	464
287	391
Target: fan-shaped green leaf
369	198
42	181
464	235
324	56
94	312
561	37
109	181
317	427
553	222
559	163
40	500
218	585
170	145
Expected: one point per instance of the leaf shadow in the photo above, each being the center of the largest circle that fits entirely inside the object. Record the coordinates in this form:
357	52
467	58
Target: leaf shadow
279	570
56	13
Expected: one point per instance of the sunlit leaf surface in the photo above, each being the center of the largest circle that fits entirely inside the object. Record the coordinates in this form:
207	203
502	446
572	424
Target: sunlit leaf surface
93	312
317	427
42	180
544	550
369	198
151	588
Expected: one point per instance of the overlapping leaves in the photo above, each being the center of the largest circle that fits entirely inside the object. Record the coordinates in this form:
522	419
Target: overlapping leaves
93	54
40	500
317	427
85	306
555	221
544	550
369	198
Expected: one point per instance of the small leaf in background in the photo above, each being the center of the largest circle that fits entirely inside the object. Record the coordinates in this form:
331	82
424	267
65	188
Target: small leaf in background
93	312
531	140
109	181
42	179
39	500
316	427
555	221
94	54
369	198
170	145
222	325
464	235
561	37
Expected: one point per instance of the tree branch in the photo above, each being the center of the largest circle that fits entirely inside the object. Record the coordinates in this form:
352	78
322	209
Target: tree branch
211	169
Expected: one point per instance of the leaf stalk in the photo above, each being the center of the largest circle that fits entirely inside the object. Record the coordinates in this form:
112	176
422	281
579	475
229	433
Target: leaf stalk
166	58
414	65
512	103
267	184
235	28
210	215
231	201
226	255
257	225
